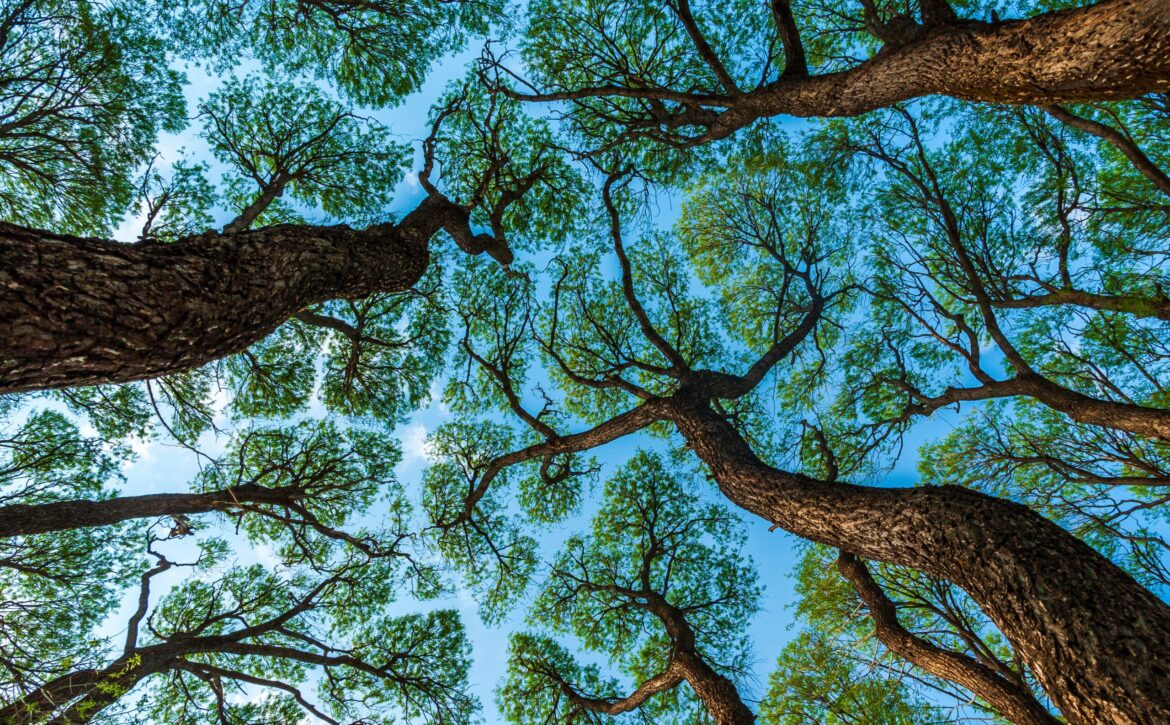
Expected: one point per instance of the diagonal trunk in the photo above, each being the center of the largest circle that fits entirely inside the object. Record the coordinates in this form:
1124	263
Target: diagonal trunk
1114	49
27	520
717	693
1097	641
90	311
78	696
1009	699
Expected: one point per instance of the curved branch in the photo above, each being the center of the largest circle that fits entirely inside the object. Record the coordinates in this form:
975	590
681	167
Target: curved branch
1119	141
1005	697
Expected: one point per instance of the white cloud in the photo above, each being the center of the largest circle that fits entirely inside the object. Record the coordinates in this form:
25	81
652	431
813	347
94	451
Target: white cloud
414	444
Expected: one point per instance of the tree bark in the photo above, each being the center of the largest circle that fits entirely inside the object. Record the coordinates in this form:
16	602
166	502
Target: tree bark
89	311
250	213
1116	49
1137	419
1123	143
717	693
1097	641
27	520
1007	698
1138	306
1112	50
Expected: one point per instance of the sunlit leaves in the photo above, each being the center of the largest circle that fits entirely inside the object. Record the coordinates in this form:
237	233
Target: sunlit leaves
280	136
333	41
654	544
85	90
815	682
473	528
507	165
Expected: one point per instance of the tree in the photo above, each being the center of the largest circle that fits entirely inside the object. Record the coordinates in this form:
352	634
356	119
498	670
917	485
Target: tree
707	71
661	589
320	607
822	294
949	271
282	136
304	479
137	310
614	345
890	645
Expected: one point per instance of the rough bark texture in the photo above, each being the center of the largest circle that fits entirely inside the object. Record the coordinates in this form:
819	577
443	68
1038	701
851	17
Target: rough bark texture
1008	698
88	311
1097	641
26	520
717	693
1112	50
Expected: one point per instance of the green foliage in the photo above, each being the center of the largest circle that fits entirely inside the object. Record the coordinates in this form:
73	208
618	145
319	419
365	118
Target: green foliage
816	682
332	474
287	137
45	458
385	369
178	204
506	165
328	39
86	91
378	665
274	377
529	696
608	43
472	526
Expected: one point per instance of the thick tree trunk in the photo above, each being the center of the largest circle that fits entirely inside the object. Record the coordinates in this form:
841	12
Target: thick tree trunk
1112	50
1097	641
88	311
1008	698
26	520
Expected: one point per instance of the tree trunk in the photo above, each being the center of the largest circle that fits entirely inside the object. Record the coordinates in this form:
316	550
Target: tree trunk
1097	641
1009	699
717	693
88	311
1112	50
26	520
